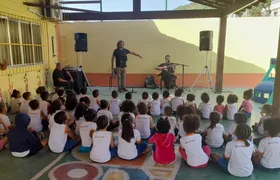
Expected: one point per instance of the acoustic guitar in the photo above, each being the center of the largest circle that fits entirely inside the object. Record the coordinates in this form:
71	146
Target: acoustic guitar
160	69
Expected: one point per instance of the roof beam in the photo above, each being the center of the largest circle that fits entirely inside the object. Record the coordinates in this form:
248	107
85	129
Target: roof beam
239	5
207	4
79	2
143	15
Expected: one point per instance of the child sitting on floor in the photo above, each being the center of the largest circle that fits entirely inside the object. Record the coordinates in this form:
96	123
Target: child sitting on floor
39	90
168	112
191	148
103	148
266	113
163	143
70	107
237	156
85	100
220	108
145	99
16	101
54	108
164	101
143	122
177	100
104	105
4	117
231	107
181	112
239	118
130	145
24	106
214	131
247	104
79	116
59	93
83	93
61	139
267	156
115	104
154	105
128	97
205	108
36	115
24	142
94	100
127	108
44	104
85	128
191	101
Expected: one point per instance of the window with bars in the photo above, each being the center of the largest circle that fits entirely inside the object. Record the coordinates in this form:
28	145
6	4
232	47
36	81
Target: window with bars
20	42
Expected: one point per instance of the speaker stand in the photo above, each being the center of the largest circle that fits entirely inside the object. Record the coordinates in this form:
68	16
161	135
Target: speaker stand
208	77
79	61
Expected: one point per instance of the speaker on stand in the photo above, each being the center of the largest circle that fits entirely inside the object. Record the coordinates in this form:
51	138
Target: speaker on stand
205	44
81	45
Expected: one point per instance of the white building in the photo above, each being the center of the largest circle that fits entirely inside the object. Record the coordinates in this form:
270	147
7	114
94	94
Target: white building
275	8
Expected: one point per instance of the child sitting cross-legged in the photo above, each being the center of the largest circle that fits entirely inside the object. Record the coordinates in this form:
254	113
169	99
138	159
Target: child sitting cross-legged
83	93
214	131
103	148
266	113
115	104
231	107
143	122
16	101
127	108
59	93
154	105
85	100
247	104
237	156
181	111
38	121
79	117
39	90
164	101
168	112
130	145
4	117
145	98
94	100
85	128
4	129
62	139
22	141
177	100
104	105
53	109
267	157
191	148
24	106
190	101
163	143
220	108
239	118
205	108
44	104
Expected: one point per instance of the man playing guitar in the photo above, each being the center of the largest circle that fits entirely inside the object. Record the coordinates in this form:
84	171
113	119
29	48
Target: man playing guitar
166	71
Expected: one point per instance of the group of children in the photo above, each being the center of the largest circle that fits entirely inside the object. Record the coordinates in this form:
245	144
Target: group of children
74	118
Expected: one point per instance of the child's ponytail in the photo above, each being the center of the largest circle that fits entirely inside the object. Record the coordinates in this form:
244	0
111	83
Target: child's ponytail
127	128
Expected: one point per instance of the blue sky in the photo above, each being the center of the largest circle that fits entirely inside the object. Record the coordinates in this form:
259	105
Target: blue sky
127	5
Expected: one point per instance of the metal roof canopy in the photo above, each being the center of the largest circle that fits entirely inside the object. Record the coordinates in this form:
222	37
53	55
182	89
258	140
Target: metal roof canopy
221	8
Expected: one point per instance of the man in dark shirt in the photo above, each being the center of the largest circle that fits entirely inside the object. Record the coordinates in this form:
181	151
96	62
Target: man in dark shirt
120	54
167	74
62	78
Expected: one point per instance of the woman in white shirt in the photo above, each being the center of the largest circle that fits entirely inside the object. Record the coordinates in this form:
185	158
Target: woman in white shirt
214	131
103	148
154	105
267	157
130	145
231	107
143	122
237	157
205	108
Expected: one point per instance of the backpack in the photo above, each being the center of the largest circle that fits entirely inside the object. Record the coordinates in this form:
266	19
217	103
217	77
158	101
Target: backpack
150	82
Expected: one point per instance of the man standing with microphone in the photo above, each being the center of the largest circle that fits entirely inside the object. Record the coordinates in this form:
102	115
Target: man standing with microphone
120	54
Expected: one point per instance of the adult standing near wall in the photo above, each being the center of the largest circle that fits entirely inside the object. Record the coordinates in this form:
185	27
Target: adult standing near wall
120	54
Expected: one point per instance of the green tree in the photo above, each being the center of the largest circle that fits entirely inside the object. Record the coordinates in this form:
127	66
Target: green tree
262	9
192	6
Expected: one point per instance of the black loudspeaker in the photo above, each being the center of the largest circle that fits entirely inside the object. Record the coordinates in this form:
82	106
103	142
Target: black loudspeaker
206	41
81	42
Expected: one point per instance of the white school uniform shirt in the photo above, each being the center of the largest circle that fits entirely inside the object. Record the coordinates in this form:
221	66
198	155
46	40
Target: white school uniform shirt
172	122
240	155
85	128
145	101
232	130
270	146
38	97
194	151
93	103
106	113
127	150
51	118
24	107
206	109
15	105
44	107
58	137
231	110
142	124
115	104
35	120
181	132
155	107
100	149
214	136
190	103
6	121
260	128
55	97
78	125
164	103
176	101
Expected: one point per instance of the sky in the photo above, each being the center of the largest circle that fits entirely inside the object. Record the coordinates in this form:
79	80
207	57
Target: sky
127	5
